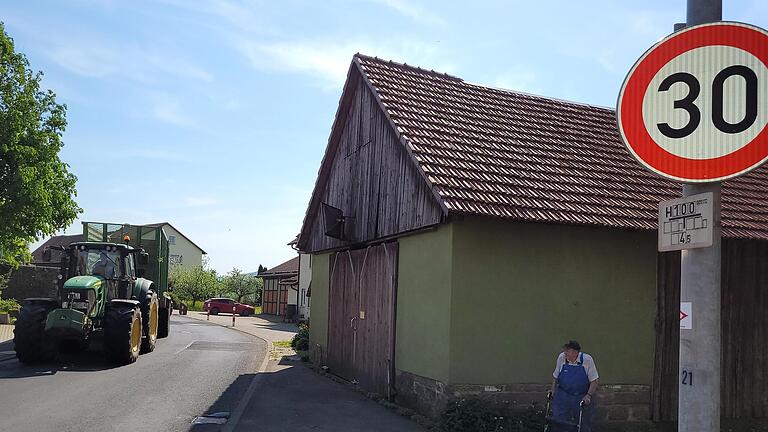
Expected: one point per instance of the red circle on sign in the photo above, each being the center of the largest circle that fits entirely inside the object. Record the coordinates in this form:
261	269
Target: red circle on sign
630	113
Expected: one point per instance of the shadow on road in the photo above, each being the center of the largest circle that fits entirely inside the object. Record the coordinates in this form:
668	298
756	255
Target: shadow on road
89	360
227	402
295	398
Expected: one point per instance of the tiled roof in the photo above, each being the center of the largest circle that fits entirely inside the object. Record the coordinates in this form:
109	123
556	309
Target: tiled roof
60	240
286	269
162	224
506	154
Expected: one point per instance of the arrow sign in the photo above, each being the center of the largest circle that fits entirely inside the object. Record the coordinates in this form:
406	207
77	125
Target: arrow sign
686	316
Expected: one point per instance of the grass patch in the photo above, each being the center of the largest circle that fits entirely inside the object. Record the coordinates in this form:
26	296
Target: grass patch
282	344
281	349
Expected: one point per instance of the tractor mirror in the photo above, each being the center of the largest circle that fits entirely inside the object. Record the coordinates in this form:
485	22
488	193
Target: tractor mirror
46	254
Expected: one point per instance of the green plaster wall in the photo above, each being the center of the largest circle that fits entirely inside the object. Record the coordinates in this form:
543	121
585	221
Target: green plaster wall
318	308
521	290
424	304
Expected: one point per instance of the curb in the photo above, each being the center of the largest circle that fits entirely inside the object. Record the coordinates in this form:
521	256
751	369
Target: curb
234	418
246	399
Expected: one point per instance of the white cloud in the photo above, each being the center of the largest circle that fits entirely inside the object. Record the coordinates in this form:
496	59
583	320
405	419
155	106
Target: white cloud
328	60
412	11
236	14
166	109
176	67
90	61
653	25
100	60
523	81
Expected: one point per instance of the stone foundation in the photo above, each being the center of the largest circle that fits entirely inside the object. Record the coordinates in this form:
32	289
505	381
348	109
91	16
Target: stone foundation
614	403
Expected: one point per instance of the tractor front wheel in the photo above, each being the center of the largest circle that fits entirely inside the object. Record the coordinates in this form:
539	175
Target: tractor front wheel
30	341
122	333
150	310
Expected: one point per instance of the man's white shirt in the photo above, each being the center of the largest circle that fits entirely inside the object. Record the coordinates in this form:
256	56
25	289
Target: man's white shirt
588	364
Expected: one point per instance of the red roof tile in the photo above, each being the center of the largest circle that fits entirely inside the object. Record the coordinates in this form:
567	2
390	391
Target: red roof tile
513	155
288	268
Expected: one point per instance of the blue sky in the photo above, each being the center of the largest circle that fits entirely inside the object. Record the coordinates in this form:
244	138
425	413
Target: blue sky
214	114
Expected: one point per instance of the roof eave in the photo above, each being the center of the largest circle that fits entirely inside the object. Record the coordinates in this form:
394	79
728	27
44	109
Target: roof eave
403	139
355	72
330	151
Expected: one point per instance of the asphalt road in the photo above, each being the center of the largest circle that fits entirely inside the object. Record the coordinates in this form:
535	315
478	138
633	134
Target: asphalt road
200	368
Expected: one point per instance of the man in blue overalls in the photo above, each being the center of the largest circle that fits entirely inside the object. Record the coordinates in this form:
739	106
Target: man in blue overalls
575	382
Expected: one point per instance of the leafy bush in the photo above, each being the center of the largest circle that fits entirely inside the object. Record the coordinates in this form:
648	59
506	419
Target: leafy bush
471	415
300	340
194	308
476	415
8	305
302	344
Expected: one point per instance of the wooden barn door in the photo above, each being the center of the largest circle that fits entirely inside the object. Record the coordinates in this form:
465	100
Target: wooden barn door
283	298
362	316
270	297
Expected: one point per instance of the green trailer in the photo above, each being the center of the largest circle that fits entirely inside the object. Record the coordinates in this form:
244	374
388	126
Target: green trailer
114	282
152	240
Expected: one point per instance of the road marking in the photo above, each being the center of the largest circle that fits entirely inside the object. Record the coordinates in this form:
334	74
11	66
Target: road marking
181	350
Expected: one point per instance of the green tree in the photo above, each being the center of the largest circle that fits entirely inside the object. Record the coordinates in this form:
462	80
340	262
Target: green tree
240	285
36	189
197	284
4	278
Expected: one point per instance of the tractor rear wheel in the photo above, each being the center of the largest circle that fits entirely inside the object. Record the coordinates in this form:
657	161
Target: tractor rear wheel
122	333
150	310
29	340
164	326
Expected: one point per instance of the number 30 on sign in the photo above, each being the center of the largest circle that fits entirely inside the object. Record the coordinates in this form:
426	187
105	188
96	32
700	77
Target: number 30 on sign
694	107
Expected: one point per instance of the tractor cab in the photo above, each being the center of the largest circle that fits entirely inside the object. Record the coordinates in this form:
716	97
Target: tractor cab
96	273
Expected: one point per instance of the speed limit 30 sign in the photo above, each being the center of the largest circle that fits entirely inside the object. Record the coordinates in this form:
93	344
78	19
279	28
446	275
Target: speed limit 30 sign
694	107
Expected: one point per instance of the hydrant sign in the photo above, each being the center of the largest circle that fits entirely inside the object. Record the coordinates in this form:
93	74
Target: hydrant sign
686	223
694	107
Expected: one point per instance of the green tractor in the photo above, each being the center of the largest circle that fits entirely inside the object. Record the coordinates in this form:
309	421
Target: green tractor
101	289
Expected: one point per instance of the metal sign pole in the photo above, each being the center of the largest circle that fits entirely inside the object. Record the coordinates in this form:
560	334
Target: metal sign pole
699	371
699	374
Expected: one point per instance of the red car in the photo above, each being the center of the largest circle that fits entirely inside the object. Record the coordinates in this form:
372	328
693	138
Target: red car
216	305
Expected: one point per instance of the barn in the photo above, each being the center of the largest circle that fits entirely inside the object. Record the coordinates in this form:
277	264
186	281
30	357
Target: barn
459	234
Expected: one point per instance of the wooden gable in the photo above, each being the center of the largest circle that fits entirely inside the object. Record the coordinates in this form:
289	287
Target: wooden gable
370	175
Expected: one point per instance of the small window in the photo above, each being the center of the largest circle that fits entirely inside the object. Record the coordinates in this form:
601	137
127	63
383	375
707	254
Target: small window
171	240
129	265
